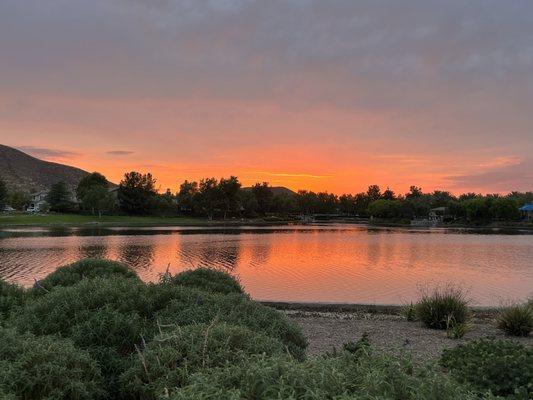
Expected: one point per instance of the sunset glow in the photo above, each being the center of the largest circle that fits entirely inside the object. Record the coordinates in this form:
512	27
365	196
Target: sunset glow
304	94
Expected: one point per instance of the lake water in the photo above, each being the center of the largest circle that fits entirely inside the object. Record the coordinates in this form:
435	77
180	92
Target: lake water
329	263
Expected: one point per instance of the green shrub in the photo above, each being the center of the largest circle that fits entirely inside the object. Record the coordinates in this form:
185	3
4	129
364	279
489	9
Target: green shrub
443	306
502	367
46	368
69	275
365	375
516	320
208	279
11	296
171	357
189	307
409	312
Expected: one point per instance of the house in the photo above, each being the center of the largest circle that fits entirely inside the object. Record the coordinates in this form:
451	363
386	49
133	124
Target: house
438	214
37	202
527	212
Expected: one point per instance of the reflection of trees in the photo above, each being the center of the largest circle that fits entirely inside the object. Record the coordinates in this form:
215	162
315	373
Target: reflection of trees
219	254
93	251
260	251
138	256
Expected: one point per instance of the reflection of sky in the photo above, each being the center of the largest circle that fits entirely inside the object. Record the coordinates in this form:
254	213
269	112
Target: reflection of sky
308	94
330	265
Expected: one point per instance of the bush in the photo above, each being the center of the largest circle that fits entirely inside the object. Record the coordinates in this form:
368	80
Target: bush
365	375
190	307
69	275
503	367
516	320
168	360
46	368
208	279
11	296
443	308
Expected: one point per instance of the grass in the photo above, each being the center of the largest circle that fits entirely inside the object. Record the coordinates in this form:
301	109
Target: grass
208	279
516	320
105	220
442	308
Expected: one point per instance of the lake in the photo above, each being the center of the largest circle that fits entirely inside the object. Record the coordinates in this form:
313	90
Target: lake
319	263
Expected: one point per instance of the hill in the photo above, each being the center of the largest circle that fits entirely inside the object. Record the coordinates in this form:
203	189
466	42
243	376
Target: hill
21	171
277	190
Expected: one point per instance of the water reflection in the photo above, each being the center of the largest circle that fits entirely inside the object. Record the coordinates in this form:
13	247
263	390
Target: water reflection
325	263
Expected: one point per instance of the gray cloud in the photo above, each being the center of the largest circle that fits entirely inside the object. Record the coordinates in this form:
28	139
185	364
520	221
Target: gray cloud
119	152
42	152
511	177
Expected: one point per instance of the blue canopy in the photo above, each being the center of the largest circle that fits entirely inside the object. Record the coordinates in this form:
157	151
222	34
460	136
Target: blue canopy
527	207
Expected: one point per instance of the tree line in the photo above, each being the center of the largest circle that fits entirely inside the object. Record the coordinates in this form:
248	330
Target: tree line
137	194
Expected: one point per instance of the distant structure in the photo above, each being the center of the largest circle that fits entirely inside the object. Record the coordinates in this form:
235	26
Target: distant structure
37	202
527	212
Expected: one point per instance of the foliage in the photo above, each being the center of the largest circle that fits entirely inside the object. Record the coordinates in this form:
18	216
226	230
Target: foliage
442	308
516	320
19	199
363	375
409	312
171	357
386	209
136	193
263	196
98	200
59	198
11	296
46	368
208	279
71	274
502	367
457	331
90	182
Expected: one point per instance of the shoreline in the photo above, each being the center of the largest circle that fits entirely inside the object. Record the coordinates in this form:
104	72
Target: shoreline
88	221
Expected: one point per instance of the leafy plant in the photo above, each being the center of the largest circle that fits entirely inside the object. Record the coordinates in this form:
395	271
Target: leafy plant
171	357
208	279
46	368
11	296
516	320
503	367
442	306
409	312
69	275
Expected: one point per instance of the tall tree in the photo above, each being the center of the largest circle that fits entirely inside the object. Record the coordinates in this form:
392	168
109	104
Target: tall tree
59	198
373	193
186	196
90	181
263	195
98	199
19	199
207	199
136	193
229	194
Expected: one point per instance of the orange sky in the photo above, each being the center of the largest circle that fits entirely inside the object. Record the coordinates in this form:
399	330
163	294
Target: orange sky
305	94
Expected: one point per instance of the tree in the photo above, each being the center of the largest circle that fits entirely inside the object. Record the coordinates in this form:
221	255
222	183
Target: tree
186	196
373	193
386	208
229	194
263	195
414	192
19	199
90	181
388	195
505	209
3	194
59	198
98	199
207	200
136	193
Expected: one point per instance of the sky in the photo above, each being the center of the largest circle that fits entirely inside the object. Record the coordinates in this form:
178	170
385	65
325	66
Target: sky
308	94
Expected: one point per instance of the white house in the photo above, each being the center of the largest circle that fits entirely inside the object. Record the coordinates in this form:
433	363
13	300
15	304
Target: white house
37	202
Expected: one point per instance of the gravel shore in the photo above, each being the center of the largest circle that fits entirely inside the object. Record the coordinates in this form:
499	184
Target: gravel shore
326	330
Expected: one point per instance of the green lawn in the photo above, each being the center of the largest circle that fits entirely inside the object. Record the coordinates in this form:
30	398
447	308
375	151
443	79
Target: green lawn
107	220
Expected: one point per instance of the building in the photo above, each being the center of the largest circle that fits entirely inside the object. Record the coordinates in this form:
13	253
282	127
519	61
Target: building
37	202
527	212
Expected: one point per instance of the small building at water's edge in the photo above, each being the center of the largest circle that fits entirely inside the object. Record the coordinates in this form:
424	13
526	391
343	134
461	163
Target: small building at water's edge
527	212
